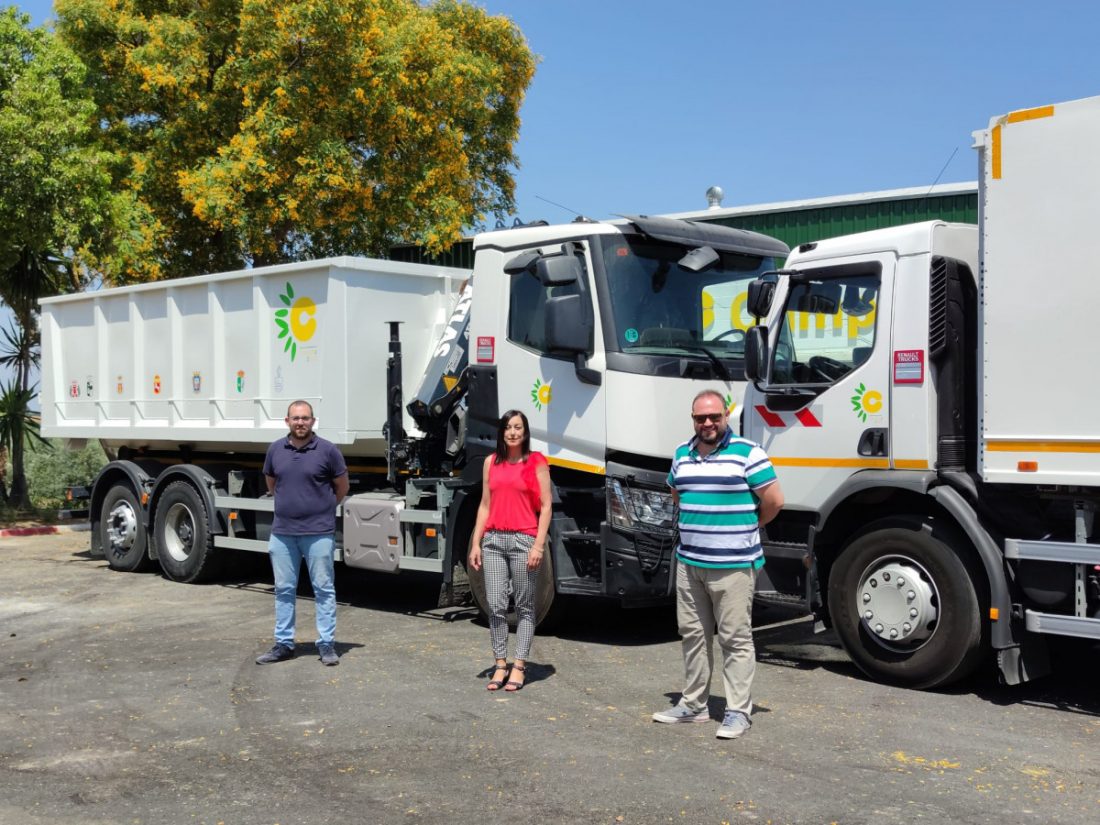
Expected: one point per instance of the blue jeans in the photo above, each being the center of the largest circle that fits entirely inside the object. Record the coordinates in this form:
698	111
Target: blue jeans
286	554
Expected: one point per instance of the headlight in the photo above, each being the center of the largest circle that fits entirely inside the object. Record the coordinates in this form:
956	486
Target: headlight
635	508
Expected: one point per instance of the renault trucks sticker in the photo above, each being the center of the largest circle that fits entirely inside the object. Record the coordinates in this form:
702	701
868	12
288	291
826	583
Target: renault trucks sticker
909	366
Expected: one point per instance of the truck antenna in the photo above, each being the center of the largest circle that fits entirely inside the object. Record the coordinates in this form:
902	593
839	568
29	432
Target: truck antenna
940	175
572	212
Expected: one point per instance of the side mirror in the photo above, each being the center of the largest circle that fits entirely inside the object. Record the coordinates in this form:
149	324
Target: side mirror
756	354
761	293
568	328
820	299
523	262
699	259
559	270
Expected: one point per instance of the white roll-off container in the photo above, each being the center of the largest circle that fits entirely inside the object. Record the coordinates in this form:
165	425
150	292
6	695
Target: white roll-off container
213	361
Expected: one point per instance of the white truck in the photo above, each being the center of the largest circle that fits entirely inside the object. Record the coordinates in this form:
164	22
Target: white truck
926	396
600	332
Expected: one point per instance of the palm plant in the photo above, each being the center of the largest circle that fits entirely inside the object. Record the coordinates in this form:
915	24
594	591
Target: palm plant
31	276
18	422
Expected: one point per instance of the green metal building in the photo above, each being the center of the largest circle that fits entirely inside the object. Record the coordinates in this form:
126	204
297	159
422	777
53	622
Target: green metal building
796	222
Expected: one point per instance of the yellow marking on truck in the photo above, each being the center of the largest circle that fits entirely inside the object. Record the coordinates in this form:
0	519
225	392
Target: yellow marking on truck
1031	114
576	465
1042	446
910	464
996	160
1014	117
861	463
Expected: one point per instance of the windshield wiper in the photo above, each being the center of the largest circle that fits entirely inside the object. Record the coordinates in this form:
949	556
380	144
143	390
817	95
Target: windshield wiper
719	367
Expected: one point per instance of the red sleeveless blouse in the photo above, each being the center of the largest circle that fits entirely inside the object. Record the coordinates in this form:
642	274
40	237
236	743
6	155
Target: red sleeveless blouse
514	501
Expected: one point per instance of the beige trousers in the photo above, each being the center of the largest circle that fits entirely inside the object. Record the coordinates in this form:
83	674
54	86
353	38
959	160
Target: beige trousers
707	599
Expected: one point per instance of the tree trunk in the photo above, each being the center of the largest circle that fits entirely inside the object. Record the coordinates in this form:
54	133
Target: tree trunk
19	496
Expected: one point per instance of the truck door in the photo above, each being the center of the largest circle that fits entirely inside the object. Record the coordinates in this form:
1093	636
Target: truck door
564	402
826	413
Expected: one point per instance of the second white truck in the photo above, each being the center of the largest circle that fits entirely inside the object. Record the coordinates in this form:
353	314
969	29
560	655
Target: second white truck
928	396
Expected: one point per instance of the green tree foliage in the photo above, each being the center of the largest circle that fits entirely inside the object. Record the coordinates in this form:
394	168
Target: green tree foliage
272	130
51	468
55	184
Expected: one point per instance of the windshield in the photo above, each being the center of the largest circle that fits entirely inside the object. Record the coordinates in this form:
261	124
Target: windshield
660	308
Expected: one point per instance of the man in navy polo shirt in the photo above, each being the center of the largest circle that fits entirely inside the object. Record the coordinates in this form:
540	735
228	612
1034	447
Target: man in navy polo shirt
308	478
725	488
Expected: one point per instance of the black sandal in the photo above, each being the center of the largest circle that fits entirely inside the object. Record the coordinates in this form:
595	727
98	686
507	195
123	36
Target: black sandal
497	684
512	687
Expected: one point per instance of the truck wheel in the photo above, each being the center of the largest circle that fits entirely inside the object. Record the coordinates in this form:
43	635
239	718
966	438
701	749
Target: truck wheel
184	545
122	532
905	605
544	592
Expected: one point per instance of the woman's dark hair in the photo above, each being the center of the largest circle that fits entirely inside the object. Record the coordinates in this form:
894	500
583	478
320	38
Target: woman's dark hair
502	448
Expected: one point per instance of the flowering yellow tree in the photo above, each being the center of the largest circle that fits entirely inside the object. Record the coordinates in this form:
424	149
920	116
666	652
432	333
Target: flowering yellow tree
271	130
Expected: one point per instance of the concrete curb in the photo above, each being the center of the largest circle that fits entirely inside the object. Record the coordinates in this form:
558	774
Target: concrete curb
45	530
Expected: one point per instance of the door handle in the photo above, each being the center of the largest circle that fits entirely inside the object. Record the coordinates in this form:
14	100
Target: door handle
874	442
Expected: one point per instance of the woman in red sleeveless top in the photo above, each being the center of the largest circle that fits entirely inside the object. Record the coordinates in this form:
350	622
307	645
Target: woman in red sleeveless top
509	540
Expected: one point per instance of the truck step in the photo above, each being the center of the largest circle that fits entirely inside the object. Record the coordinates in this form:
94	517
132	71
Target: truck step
1060	625
579	587
1063	551
581	536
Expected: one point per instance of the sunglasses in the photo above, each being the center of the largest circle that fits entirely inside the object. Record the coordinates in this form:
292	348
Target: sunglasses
715	418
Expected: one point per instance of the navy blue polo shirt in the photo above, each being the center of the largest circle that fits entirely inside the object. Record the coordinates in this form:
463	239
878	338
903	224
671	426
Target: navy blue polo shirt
305	503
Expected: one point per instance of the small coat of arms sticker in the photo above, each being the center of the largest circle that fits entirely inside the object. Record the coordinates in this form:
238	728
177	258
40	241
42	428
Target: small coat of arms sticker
156	385
240	380
196	382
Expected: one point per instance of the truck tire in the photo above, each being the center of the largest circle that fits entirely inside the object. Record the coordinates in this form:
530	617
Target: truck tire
185	547
122	531
544	592
906	606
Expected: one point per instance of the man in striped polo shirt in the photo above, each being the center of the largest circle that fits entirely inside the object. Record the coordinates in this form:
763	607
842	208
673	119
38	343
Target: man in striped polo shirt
725	488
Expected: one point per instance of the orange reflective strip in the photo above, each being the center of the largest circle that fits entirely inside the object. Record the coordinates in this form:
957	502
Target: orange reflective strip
996	160
1042	446
910	464
576	465
1031	114
859	463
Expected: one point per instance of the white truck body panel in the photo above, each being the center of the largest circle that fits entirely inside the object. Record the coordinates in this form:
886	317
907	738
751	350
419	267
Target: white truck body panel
1038	204
205	361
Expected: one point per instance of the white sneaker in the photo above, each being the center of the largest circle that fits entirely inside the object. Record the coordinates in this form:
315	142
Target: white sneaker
680	713
734	723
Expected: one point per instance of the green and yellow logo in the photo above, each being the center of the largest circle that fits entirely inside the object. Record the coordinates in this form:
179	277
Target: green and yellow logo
540	394
296	321
866	402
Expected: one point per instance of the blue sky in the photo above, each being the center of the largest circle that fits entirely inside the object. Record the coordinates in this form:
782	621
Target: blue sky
640	106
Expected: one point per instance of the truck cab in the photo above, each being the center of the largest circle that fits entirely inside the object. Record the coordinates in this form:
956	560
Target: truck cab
602	333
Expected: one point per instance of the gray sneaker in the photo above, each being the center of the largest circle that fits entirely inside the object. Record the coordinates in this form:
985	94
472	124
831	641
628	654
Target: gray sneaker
734	723
328	654
279	653
681	713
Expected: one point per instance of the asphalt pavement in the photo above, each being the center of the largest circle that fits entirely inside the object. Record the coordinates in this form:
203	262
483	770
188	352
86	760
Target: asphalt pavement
127	698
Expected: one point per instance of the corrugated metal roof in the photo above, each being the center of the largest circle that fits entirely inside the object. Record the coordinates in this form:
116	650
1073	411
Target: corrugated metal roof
794	222
797	222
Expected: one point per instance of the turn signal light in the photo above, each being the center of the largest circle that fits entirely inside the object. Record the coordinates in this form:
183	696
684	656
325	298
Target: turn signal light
430	532
994	613
1027	466
393	541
